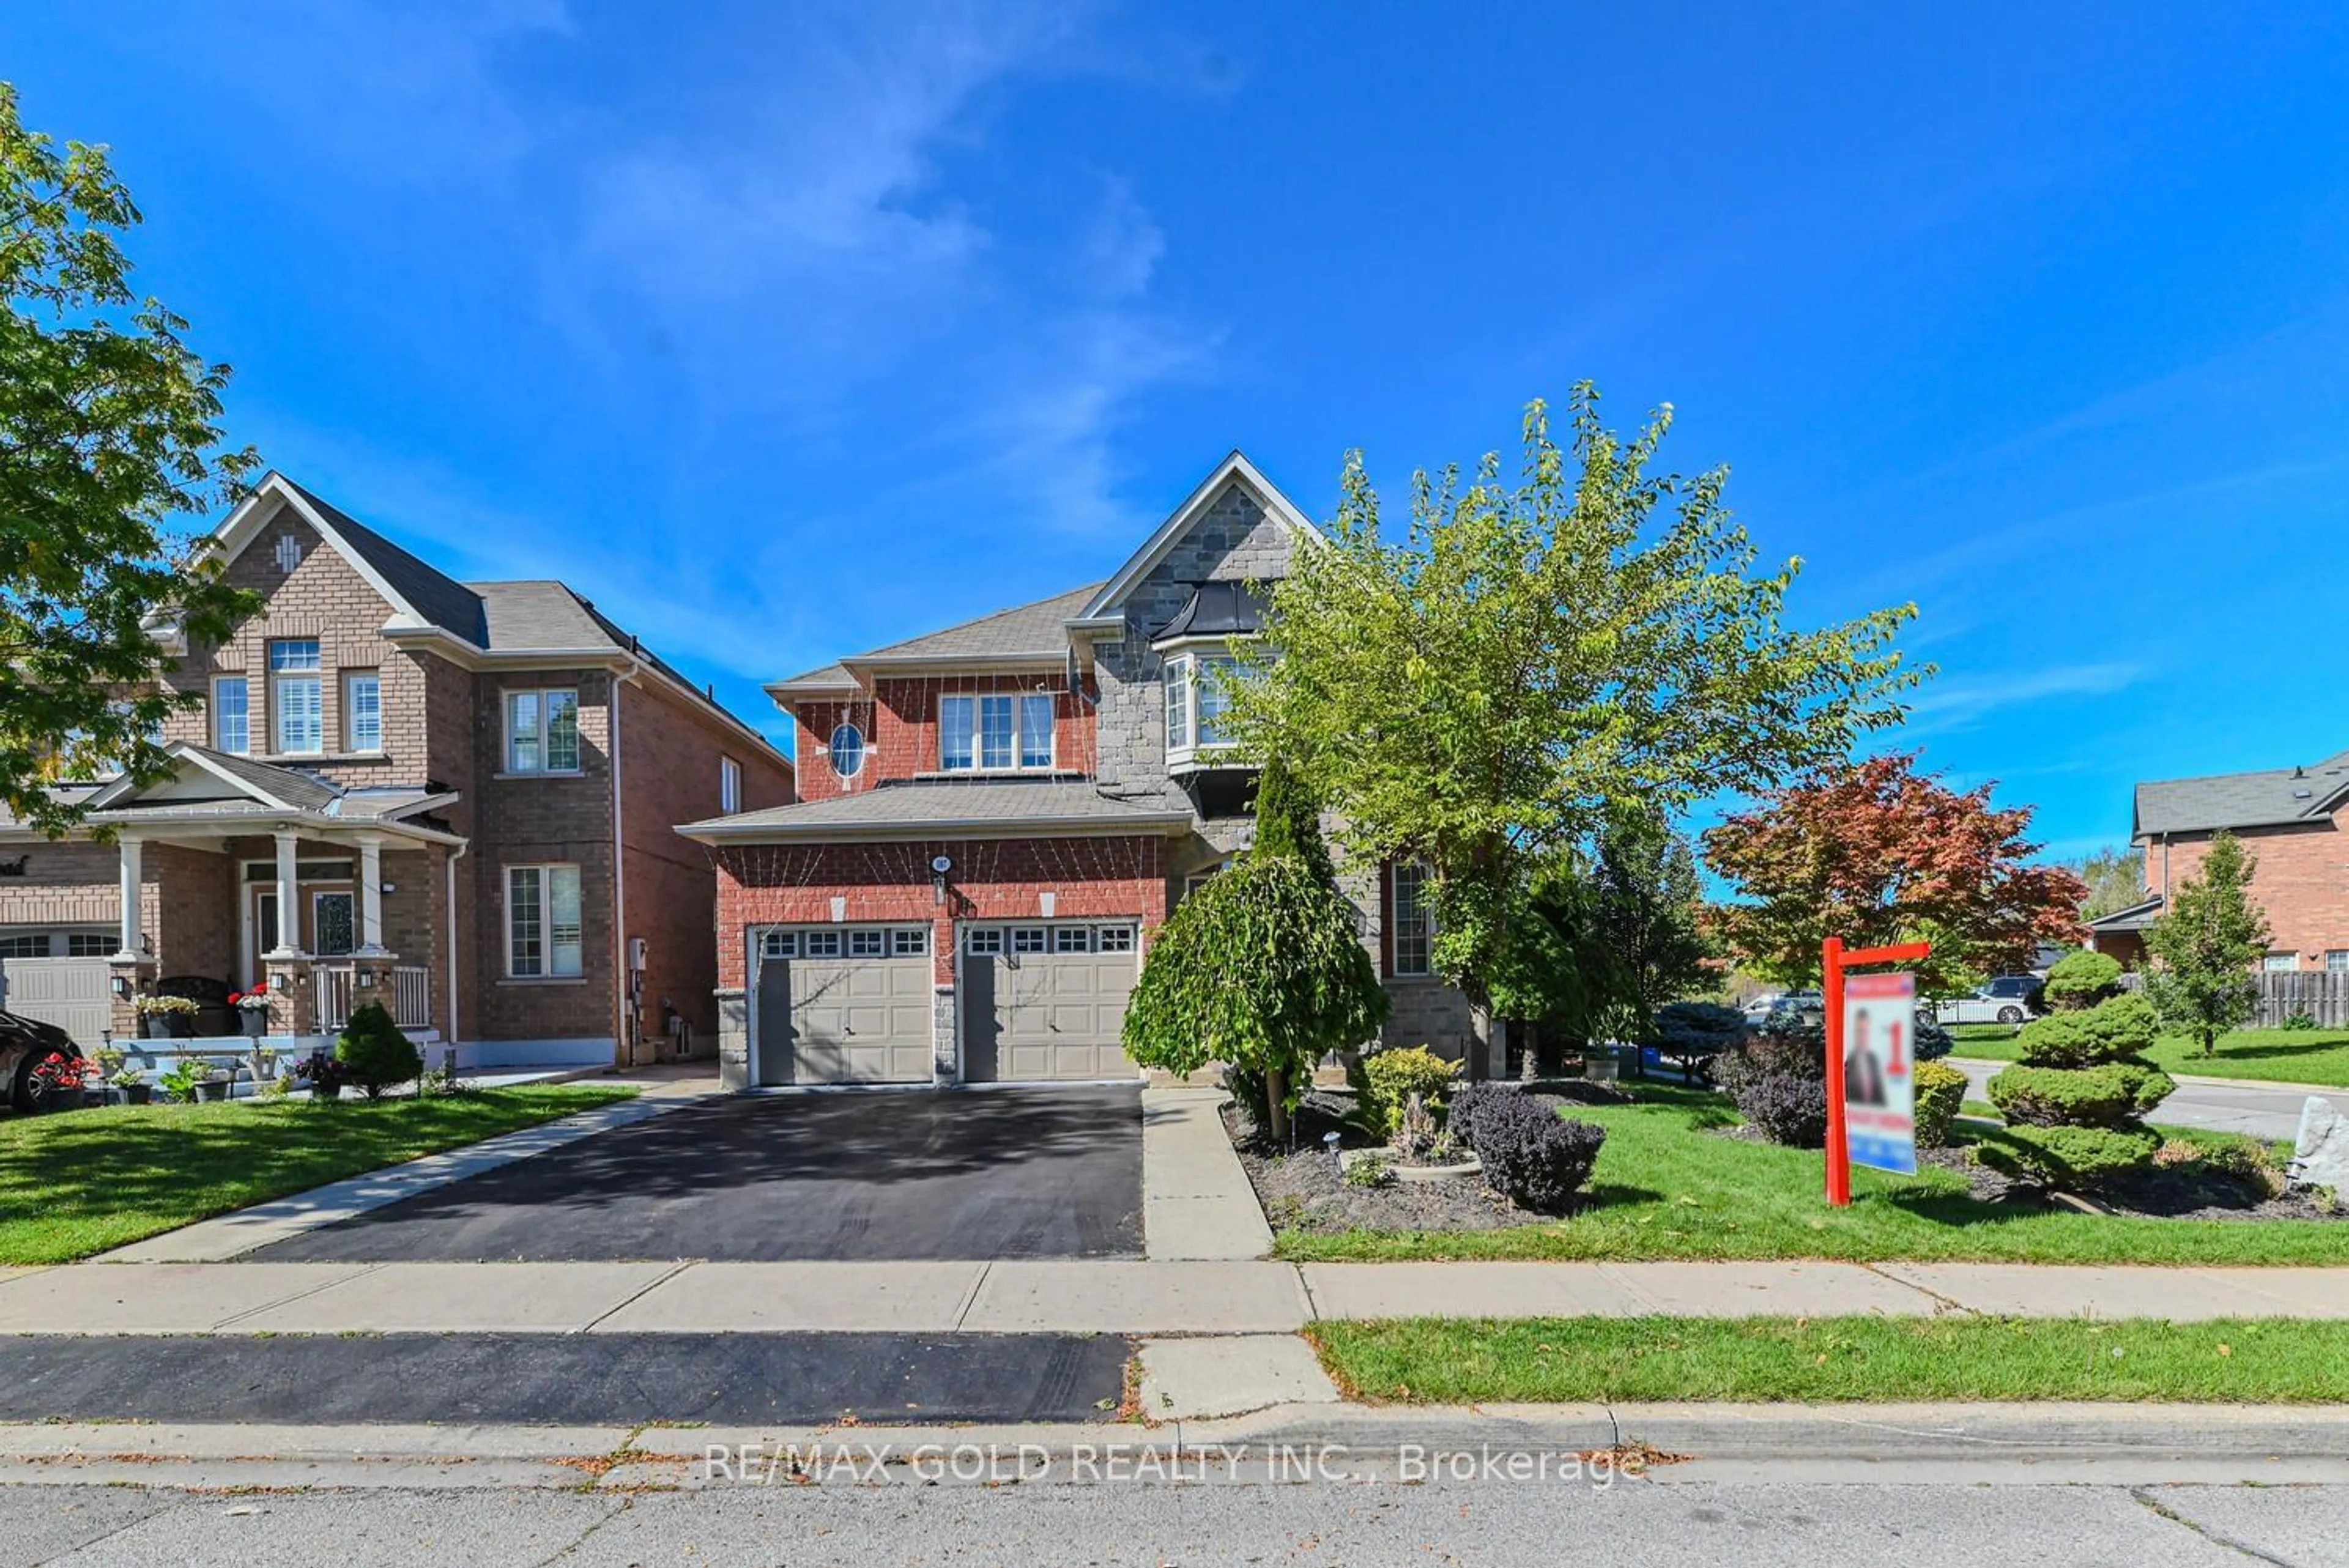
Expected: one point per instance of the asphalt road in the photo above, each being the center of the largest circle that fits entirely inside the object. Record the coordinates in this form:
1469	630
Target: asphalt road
1631	1526
562	1379
973	1174
2260	1113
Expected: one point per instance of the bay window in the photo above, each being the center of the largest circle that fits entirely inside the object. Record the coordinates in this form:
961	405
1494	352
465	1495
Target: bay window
1197	702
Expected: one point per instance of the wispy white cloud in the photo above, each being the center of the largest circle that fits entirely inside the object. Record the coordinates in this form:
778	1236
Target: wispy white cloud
1958	704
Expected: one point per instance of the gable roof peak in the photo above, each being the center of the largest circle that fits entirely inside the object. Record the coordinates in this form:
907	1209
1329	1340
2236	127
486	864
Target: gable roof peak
1236	468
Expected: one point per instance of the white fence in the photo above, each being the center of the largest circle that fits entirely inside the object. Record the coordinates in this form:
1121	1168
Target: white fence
409	996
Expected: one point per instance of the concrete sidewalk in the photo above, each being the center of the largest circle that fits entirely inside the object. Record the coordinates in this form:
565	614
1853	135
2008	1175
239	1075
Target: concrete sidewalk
1148	1298
1196	1202
2269	1111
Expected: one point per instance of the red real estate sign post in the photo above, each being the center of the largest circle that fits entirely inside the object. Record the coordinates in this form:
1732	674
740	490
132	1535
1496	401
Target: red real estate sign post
1835	961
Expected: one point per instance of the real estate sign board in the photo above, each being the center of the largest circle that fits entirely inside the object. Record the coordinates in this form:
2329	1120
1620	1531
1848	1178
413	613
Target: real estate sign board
1879	1026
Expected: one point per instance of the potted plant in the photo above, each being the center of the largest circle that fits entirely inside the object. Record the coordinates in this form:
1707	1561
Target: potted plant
136	1089
252	1010
167	1017
325	1075
182	1081
213	1084
56	1082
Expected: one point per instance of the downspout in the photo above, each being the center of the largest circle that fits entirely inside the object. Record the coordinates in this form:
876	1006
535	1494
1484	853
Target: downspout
456	855
623	1046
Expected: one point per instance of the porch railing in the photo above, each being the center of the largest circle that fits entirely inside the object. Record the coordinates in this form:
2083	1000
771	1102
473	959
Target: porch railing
410	995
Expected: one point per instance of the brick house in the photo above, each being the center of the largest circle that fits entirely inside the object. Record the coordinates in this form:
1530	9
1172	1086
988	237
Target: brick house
994	817
455	796
2291	821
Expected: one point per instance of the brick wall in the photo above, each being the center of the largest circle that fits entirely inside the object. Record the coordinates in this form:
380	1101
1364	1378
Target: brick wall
671	751
63	884
194	897
2301	880
900	726
992	879
540	819
323	597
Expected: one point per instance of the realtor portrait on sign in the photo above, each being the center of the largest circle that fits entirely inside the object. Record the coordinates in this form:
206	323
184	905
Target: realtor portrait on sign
1879	1086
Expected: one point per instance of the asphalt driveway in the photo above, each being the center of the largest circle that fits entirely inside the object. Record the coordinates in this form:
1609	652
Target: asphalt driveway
925	1174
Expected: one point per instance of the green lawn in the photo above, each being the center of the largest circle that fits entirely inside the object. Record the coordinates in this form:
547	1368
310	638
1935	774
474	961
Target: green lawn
80	1182
1667	1188
2319	1056
2265	1361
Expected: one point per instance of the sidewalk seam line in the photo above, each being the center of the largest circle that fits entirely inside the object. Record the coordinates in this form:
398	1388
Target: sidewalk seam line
1926	1291
234	1318
970	1298
1305	1289
650	1285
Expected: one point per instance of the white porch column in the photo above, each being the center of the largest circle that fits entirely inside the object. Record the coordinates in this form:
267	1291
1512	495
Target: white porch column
370	897
131	937
289	914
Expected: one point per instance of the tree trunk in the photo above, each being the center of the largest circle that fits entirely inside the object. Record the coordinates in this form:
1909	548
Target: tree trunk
1275	1104
1528	1050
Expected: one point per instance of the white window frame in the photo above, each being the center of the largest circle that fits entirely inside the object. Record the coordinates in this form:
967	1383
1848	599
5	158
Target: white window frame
549	955
729	786
352	740
1181	674
1018	746
2280	963
220	738
1423	918
285	679
845	736
539	764
2337	961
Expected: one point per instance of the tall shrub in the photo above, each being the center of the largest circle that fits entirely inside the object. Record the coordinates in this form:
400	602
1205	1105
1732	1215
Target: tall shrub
2077	1098
1262	967
374	1052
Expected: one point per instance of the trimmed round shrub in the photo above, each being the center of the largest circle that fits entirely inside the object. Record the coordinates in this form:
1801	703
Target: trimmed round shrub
1468	1101
2079	980
1941	1096
2123	1026
1384	1081
2108	1095
1532	1156
1787	1109
1695	1031
2070	1157
373	1051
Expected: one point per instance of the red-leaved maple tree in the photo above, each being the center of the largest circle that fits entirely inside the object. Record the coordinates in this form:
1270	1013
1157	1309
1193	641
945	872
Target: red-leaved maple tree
1877	852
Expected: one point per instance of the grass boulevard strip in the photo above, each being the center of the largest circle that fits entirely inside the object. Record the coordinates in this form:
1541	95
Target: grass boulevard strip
1429	1361
73	1185
2317	1056
1670	1185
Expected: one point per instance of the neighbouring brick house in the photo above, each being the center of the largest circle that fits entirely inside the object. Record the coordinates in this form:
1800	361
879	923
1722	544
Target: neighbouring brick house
458	797
2292	822
993	819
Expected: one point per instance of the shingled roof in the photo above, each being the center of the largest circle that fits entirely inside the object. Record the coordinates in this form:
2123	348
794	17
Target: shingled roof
2270	798
1037	630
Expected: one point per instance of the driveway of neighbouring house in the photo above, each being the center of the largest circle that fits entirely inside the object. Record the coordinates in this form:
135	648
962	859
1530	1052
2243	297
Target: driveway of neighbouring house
922	1174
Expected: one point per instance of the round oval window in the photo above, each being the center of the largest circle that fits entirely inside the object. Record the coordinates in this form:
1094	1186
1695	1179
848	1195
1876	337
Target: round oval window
847	750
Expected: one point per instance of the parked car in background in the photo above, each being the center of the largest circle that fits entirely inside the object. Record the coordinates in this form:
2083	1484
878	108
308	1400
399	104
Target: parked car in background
1791	1006
2008	999
25	1043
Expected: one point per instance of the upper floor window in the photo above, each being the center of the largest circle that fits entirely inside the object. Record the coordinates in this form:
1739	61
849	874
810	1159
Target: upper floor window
1198	701
362	711
543	730
729	786
232	715
847	748
1413	920
995	733
297	707
2337	961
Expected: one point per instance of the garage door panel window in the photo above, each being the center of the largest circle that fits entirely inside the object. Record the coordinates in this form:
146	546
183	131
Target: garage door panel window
543	930
983	941
867	944
1029	939
1116	939
821	944
910	944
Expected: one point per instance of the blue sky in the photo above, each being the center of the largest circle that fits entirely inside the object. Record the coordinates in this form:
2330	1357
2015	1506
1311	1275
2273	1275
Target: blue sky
786	331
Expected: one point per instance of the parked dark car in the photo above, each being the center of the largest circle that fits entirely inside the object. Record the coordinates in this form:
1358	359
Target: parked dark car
24	1043
213	1015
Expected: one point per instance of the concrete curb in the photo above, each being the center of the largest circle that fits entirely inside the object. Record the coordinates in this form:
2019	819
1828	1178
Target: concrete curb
1954	1444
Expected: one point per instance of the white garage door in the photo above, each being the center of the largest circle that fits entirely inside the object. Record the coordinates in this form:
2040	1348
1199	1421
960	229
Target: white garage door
58	977
1045	1001
844	1004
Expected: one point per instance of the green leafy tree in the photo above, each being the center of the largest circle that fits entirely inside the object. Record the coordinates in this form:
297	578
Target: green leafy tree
1262	967
2205	945
2115	881
109	431
1641	929
1480	693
